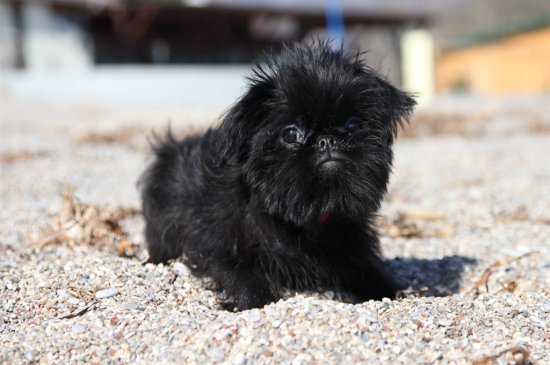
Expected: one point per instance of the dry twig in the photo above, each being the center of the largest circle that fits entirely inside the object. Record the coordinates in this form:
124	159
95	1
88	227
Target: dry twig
518	355
484	279
88	224
416	223
80	312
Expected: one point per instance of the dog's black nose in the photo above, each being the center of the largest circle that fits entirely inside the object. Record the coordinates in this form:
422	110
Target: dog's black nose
326	143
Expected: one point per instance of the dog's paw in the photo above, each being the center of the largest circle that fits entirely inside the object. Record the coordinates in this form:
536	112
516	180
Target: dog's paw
248	298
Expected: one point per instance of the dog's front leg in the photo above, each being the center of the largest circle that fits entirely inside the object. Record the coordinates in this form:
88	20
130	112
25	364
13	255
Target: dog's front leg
369	281
245	287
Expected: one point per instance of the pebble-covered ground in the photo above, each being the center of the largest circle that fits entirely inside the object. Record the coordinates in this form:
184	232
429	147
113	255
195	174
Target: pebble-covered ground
466	227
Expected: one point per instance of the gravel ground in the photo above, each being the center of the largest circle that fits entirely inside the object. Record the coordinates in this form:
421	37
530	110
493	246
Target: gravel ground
466	226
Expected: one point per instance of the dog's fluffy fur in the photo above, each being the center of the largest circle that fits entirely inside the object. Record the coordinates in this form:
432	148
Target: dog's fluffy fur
283	193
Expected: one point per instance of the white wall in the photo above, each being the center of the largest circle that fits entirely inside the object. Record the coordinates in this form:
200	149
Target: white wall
52	43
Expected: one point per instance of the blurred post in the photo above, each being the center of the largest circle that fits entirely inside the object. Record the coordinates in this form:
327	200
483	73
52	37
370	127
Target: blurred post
17	13
335	22
418	64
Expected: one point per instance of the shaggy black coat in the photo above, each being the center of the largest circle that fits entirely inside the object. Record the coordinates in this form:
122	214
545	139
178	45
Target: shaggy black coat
283	193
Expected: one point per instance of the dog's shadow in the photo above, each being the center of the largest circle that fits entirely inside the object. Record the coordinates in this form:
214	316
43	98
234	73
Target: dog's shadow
430	277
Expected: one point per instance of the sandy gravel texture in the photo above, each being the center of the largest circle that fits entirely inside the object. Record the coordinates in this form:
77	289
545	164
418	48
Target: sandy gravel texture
466	226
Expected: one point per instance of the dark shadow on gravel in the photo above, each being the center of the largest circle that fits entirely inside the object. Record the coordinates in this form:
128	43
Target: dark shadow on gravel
430	277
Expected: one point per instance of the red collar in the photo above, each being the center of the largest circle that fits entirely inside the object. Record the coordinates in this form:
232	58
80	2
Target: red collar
324	218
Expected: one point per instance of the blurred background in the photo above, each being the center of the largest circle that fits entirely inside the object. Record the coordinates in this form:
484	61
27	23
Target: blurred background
195	52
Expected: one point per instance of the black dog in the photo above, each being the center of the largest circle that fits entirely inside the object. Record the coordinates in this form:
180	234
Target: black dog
283	193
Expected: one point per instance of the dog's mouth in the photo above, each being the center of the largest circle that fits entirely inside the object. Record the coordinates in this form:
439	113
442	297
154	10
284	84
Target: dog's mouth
330	161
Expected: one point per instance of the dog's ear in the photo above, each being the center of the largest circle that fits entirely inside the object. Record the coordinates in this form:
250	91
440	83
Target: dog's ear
392	107
396	106
245	118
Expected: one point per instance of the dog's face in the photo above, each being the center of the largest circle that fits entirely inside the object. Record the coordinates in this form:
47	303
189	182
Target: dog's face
313	135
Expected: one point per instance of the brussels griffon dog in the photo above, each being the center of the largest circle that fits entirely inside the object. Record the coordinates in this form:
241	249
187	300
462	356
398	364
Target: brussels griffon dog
283	193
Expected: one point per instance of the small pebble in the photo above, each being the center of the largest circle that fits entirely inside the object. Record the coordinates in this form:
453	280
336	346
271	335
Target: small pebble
369	317
240	358
106	293
435	357
30	355
78	328
181	268
253	316
216	353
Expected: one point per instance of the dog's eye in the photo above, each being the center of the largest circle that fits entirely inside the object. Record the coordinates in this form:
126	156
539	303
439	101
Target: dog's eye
293	135
352	123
